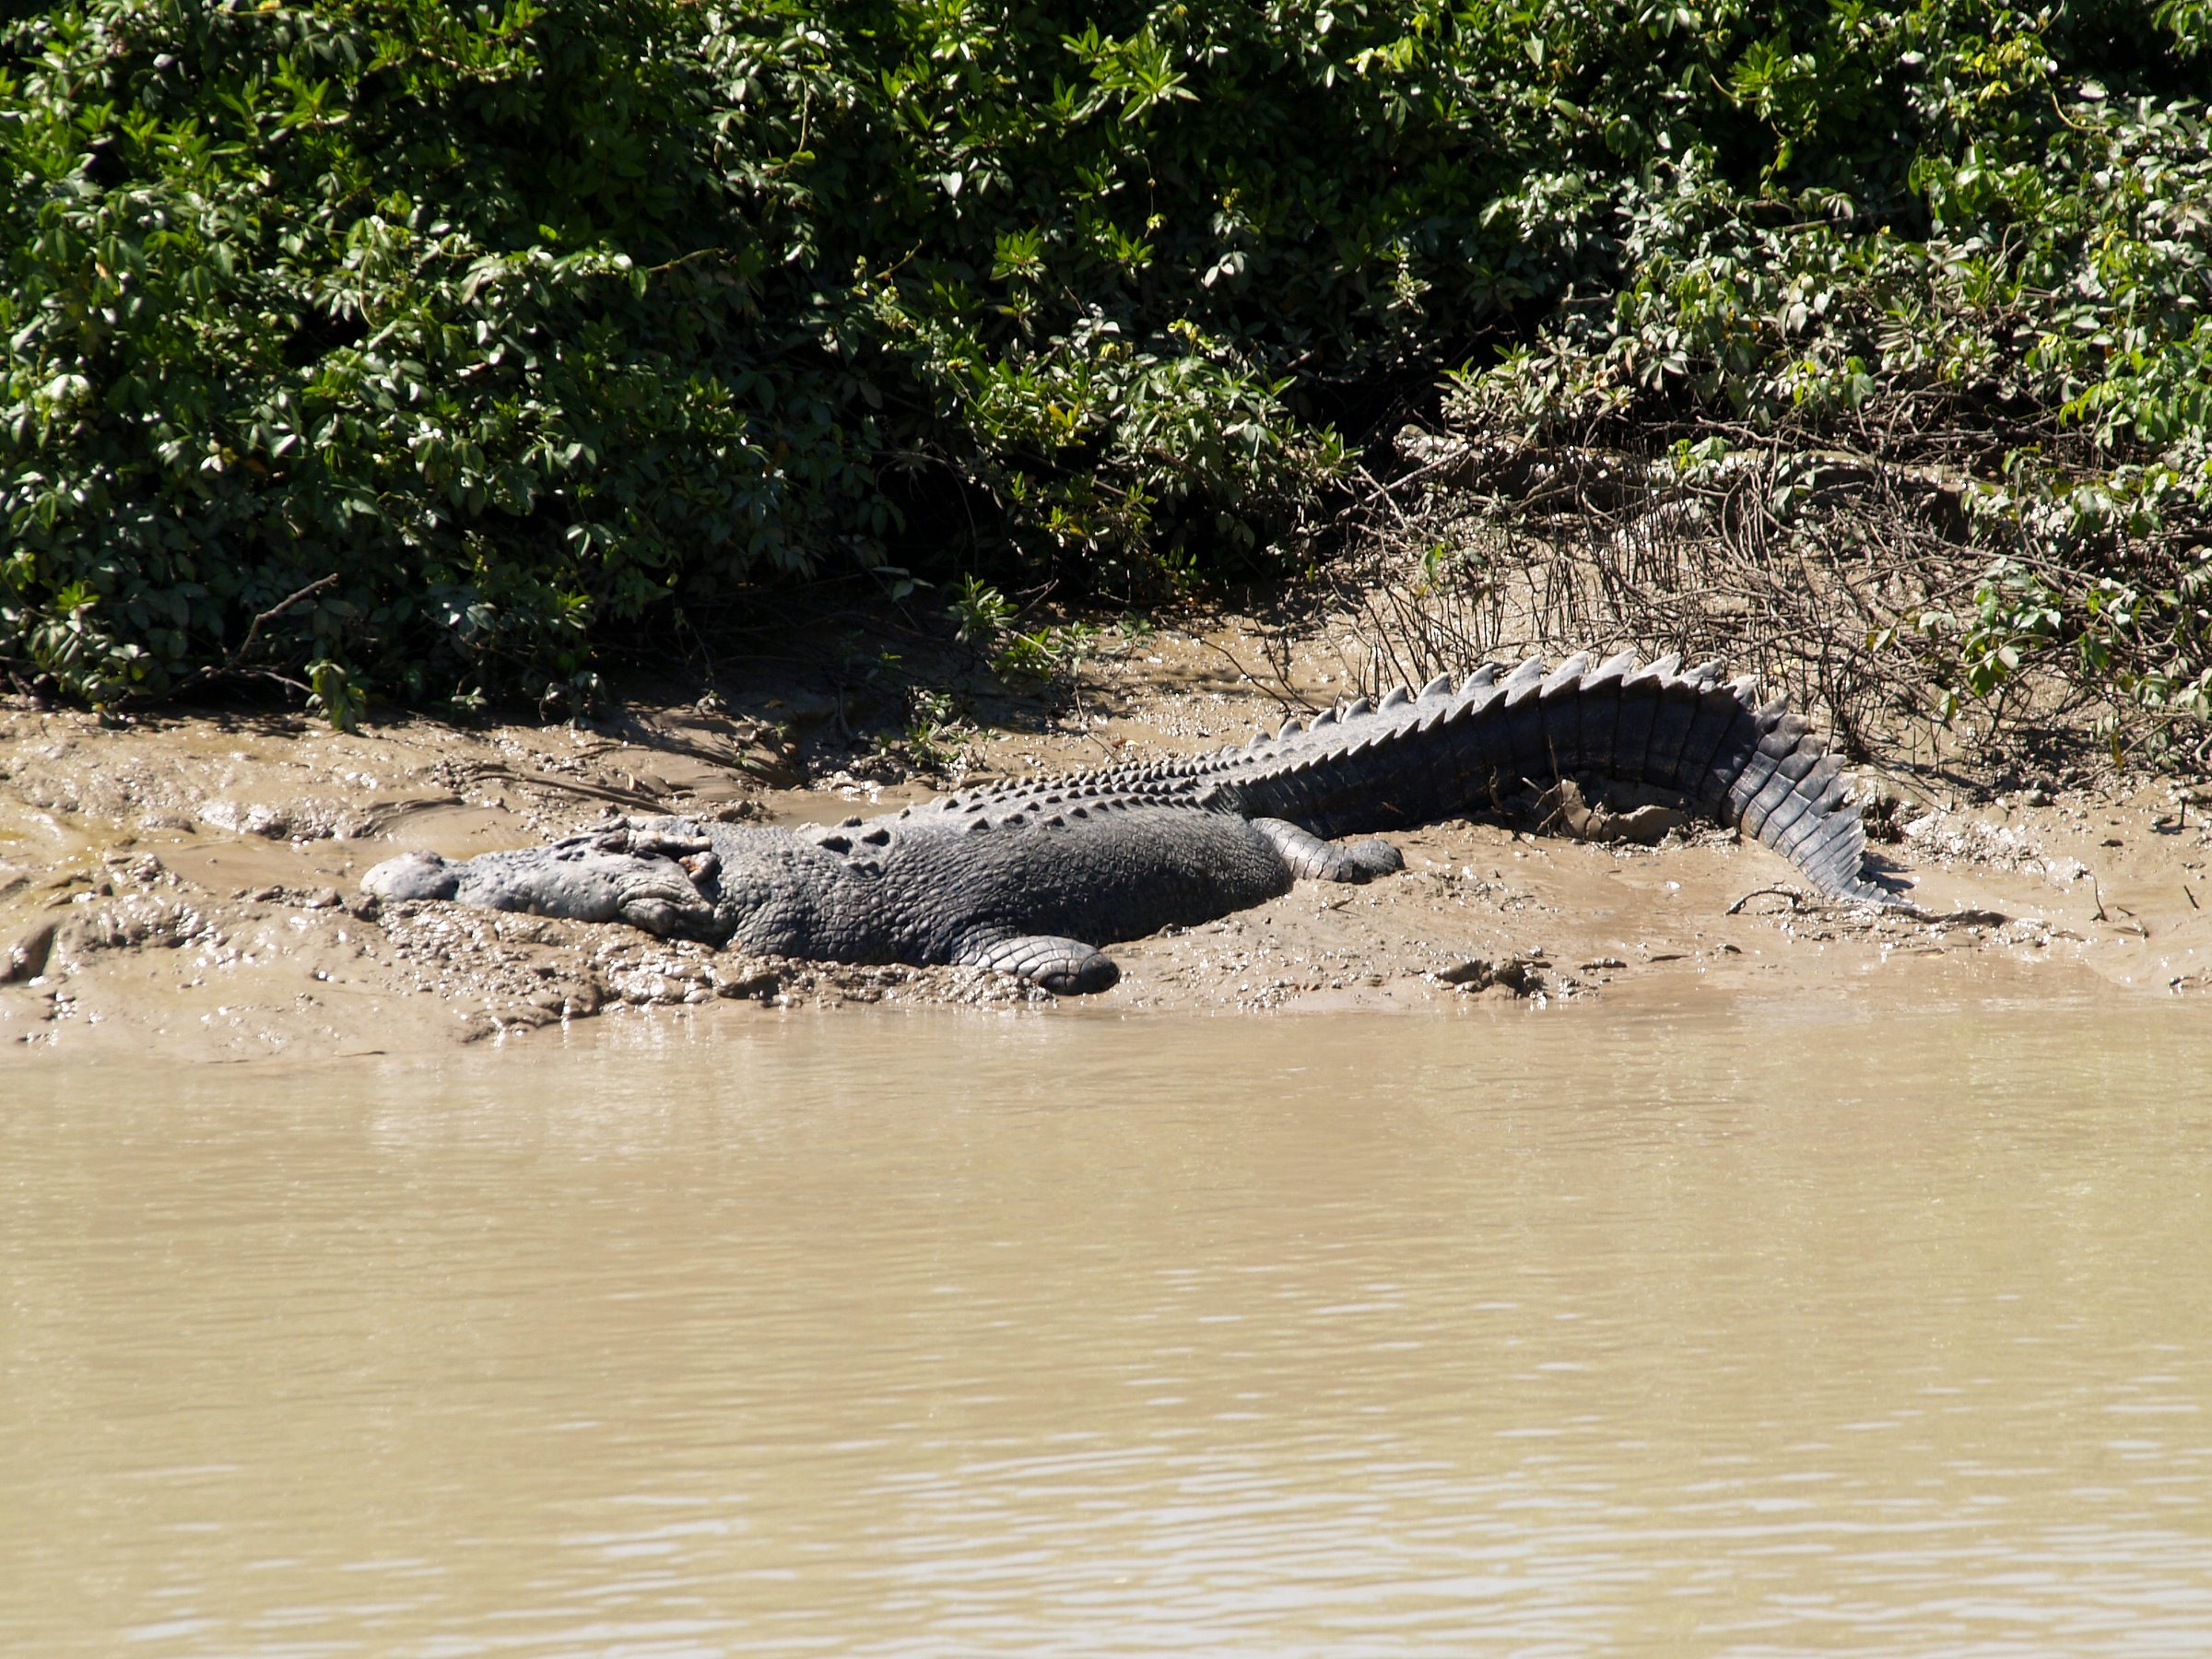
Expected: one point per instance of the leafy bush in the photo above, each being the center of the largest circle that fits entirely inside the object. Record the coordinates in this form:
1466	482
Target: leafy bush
2029	316
410	347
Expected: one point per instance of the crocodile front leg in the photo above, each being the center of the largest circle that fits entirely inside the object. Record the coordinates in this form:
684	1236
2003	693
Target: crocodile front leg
1063	966
1313	859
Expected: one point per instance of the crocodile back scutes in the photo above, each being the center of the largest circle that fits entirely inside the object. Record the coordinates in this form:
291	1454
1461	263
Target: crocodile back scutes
1444	750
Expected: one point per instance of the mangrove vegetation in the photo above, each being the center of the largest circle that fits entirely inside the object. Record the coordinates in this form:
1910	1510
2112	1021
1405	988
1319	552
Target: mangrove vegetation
416	349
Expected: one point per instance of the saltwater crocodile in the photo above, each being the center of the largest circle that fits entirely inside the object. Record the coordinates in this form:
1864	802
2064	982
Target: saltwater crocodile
1030	877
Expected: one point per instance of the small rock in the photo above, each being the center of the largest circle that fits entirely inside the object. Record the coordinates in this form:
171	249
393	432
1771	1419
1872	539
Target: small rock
759	985
252	819
1517	976
1645	827
26	958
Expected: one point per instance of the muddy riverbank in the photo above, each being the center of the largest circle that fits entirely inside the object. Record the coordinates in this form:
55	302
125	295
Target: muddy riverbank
189	881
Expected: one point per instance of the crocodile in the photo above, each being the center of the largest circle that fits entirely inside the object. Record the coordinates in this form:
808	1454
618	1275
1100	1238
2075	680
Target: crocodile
1030	877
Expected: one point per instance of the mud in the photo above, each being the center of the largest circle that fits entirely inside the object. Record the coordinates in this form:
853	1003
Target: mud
188	883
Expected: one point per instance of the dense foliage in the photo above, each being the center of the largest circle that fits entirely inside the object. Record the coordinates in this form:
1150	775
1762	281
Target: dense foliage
406	344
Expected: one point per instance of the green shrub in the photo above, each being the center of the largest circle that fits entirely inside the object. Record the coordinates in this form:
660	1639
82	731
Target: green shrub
411	348
2028	314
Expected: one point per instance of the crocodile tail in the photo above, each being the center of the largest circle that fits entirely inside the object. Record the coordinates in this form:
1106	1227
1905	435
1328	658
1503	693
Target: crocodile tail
1757	769
1431	754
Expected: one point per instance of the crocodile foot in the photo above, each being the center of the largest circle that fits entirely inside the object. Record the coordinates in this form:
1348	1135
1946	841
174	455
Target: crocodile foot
1313	859
1063	966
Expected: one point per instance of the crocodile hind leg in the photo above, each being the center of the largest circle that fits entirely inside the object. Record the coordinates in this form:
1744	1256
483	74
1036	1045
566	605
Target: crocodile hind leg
1313	859
1063	966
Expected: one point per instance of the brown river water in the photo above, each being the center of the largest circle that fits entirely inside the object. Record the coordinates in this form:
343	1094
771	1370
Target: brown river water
1749	1329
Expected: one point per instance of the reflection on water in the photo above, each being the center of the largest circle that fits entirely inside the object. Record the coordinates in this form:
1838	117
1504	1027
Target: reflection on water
1743	1334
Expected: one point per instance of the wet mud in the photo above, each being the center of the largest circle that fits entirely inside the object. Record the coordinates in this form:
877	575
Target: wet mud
190	882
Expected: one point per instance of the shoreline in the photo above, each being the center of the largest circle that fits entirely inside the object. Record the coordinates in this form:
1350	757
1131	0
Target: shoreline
187	882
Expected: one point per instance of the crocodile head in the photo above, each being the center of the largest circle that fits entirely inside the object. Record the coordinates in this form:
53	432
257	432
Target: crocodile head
581	880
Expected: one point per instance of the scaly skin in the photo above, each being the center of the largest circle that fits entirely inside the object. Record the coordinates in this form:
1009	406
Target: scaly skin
1029	877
